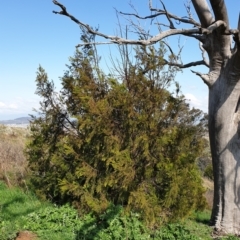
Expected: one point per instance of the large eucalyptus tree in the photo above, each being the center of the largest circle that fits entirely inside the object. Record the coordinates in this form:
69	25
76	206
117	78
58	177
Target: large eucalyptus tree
223	81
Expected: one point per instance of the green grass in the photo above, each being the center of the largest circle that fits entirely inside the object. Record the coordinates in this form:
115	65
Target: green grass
17	211
14	204
198	225
23	211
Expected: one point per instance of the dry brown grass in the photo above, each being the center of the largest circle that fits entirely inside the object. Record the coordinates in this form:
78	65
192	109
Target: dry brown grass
208	184
13	165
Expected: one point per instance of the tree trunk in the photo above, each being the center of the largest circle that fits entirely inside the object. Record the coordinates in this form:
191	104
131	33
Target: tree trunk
224	132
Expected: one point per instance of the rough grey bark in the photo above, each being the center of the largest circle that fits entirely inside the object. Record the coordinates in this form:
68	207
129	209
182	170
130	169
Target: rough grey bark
224	123
224	133
223	80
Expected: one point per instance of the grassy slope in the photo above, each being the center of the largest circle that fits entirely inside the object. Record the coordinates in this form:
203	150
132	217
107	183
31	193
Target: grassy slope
47	220
15	207
14	204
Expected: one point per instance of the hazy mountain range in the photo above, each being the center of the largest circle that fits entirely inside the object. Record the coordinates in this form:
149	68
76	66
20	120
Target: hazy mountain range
17	121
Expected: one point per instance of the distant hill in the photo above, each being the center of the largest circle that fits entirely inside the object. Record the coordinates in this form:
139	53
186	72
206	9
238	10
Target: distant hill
17	121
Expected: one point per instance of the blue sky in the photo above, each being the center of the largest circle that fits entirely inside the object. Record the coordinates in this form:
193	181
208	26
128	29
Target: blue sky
31	34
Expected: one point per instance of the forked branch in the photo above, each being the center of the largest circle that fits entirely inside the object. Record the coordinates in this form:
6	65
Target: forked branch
187	65
150	41
168	15
203	54
205	77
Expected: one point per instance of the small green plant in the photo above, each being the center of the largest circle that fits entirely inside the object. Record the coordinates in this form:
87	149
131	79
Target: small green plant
209	172
175	231
114	224
7	229
53	220
20	211
64	221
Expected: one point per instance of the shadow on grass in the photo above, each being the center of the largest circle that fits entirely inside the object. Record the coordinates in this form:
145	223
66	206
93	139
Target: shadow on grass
16	207
91	229
203	217
203	221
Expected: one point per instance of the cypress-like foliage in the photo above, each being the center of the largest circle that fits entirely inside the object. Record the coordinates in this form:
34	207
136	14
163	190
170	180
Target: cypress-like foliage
130	142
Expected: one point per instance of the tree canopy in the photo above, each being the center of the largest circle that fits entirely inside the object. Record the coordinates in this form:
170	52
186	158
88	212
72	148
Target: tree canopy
105	140
221	44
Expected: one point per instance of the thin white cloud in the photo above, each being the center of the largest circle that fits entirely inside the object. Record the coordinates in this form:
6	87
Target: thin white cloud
200	103
13	106
2	105
193	100
17	107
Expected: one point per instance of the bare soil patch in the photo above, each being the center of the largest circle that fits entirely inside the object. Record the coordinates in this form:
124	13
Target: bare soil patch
26	235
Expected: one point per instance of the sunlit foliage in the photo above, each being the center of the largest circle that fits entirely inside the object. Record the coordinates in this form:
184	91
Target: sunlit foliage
117	139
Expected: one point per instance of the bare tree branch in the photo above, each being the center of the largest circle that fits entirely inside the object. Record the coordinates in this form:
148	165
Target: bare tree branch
199	37
65	13
180	19
188	8
137	16
169	48
203	56
168	17
160	12
174	61
191	64
179	65
150	41
214	26
205	77
203	12
93	43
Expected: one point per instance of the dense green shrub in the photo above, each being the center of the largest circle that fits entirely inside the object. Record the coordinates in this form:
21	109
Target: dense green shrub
208	172
126	141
